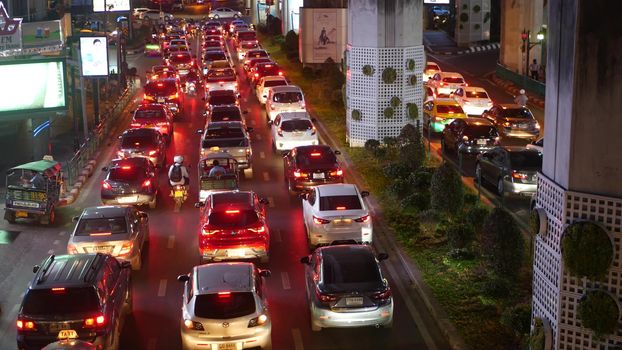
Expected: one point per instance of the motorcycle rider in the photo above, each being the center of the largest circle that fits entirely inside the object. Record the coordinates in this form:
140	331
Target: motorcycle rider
178	173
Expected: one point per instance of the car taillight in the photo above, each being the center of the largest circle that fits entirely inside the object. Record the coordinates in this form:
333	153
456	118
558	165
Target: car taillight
519	176
248	151
147	97
442	84
205	231
175	96
23	325
72	249
256	75
259	229
338	172
365	218
382	296
280	73
147	182
153	152
126	248
465	138
313	130
106	185
323	297
97	321
135	125
197	326
320	221
299	174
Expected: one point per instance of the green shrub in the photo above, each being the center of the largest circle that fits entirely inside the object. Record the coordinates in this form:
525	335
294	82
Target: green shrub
417	200
412	80
405	224
471	199
486	17
368	70
534	223
400	188
496	287
422	178
461	254
397	170
476	216
517	318
291	44
356	114
537	337
410	64
599	312
413	111
464	17
502	243
372	145
459	234
447	193
389	75
412	154
586	250
476	8
395	101
389	113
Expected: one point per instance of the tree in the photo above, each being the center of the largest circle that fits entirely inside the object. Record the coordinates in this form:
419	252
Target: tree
502	243
446	191
412	150
291	44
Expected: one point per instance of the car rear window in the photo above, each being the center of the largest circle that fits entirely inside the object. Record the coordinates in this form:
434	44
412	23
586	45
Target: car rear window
317	158
226	114
212	44
476	94
245	36
526	160
342	272
516	113
138	141
287	97
101	225
480	131
233	218
349	202
149	114
161	88
224	306
296	125
269	69
69	301
213	56
277	82
123	175
228	142
216	100
449	109
226	74
453	80
249	45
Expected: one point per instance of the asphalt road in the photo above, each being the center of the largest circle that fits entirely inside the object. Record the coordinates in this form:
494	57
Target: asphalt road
173	250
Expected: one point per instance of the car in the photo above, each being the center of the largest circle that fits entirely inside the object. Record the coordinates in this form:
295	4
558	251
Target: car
255	53
234	226
229	301
252	63
224	12
308	166
225	113
212	55
213	37
221	98
182	61
246	46
242	35
513	120
178	42
287	98
429	94
513	169
139	11
213	45
231	26
265	84
219	64
345	288
85	296
213	30
538	145
440	11
469	136
221	79
156	15
230	137
430	69
154	116
265	69
473	100
440	112
336	214
444	83
171	50
117	230
143	142
293	129
131	181
237	27
165	91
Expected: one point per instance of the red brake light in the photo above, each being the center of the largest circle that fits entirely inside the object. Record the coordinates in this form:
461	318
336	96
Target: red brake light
320	221
316	154
126	167
338	172
256	75
442	84
106	185
325	298
260	229
147	183
298	174
382	295
99	234
25	325
135	125
180	56
224	294
97	321
160	84
341	208
58	290
232	211
280	73
153	152
363	219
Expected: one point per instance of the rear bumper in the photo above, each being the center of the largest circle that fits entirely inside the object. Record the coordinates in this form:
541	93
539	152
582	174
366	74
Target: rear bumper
519	188
361	235
37	342
326	318
219	253
196	340
127	199
523	134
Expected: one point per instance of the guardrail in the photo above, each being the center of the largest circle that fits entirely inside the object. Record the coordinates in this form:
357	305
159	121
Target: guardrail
527	83
98	136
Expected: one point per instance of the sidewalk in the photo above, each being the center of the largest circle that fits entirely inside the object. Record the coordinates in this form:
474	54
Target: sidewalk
439	42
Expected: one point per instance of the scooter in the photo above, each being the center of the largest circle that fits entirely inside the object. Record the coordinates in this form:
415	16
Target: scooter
179	194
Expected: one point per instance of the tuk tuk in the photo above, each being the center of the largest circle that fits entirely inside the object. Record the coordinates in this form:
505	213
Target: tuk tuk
33	191
219	181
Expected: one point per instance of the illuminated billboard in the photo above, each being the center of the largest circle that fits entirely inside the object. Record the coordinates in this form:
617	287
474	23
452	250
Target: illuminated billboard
31	86
112	5
94	56
441	2
322	34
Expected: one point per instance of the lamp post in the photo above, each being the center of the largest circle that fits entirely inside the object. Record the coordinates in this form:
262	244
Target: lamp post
528	45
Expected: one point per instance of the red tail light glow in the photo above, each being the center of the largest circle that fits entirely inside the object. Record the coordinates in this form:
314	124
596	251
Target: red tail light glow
338	172
365	218
147	183
160	84
316	154
97	321
126	248
58	290
519	176
323	297
260	229
23	325
126	167
320	221
135	125
153	152
299	174
232	211
341	208
205	231
280	73
100	234
313	130
224	294
106	185
384	295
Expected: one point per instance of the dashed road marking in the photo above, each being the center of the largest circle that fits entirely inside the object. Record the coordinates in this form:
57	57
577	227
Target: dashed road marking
56	242
151	345
285	281
162	288
171	242
277	236
51	251
271	202
266	176
297	339
262	155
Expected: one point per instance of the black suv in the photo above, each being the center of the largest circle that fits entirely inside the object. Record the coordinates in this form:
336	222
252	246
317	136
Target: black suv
84	296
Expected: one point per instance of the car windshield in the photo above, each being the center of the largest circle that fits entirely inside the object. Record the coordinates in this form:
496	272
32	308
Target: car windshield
476	94
101	225
351	272
526	160
124	174
431	67
316	158
138	141
226	114
276	82
453	80
249	45
216	100
160	88
522	113
477	131
246	36
226	74
68	301
347	202
222	306
296	125
149	114
449	109
287	97
229	142
233	218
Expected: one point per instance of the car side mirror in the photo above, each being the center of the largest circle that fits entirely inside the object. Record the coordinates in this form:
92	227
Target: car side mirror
126	265
265	273
364	193
105	168
199	204
75	218
35	268
264	201
250	129
183	278
382	256
305	260
337	152
199	131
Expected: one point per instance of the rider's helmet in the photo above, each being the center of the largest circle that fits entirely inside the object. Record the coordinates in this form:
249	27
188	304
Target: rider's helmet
522	91
178	159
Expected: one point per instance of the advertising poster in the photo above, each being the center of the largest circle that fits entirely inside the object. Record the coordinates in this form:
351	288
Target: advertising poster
94	56
442	2
325	35
10	31
41	34
32	86
111	5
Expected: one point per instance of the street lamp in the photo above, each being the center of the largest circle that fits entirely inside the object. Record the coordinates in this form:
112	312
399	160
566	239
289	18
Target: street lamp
528	45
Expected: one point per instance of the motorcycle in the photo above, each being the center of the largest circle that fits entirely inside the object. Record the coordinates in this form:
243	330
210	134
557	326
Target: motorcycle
191	88
179	194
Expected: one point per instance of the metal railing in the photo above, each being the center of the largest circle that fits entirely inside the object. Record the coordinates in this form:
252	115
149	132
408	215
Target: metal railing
97	137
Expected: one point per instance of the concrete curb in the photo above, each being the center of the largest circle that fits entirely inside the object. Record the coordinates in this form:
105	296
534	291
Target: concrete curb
136	51
472	49
514	90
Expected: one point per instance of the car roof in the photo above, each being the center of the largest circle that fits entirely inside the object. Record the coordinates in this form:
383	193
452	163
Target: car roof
105	211
477	121
135	161
450	74
294	115
226	199
286	88
78	270
446	101
337	190
265	64
343	252
224	277
274	77
474	88
140	132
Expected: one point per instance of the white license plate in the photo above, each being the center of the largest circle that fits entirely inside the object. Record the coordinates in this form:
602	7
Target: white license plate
57	327
160	100
481	141
101	249
26	204
354	301
342	222
132	199
67	334
297	133
236	253
318	176
227	346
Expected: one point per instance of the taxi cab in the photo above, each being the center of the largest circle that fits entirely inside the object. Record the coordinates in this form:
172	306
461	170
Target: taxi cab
440	112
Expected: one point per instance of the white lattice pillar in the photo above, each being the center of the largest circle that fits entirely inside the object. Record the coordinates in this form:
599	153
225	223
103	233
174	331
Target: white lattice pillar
383	37
582	162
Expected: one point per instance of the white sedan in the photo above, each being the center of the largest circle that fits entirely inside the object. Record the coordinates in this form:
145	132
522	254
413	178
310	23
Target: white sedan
293	129
336	213
431	68
266	83
473	100
224	12
155	15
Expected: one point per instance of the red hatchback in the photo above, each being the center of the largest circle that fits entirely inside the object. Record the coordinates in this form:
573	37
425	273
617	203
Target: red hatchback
264	70
234	226
154	116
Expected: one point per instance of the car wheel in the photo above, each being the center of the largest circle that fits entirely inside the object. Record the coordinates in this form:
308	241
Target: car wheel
500	188
478	174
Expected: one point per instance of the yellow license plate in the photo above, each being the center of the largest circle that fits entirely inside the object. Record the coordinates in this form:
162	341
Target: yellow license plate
21	214
67	334
227	346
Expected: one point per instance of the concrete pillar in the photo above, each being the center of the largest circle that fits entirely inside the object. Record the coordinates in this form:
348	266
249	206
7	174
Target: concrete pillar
472	21
383	36
582	168
516	16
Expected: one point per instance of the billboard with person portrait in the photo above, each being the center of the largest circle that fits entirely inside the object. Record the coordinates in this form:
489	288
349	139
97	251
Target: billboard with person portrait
94	56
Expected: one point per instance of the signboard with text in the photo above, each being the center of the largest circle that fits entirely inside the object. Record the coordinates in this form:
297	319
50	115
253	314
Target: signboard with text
94	56
10	31
111	5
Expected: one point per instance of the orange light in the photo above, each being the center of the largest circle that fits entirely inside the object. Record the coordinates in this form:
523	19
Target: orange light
100	234
256	75
160	84
232	211
147	183
519	176
299	174
58	290
126	167
280	73
316	154
153	152
341	208
224	294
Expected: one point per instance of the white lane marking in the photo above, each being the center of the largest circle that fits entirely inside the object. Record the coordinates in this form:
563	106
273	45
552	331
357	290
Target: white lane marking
162	288
258	136
171	242
266	176
285	281
51	251
271	202
297	339
56	242
62	233
262	155
151	345
277	236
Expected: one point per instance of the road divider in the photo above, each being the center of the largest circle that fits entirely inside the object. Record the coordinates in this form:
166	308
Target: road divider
162	288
